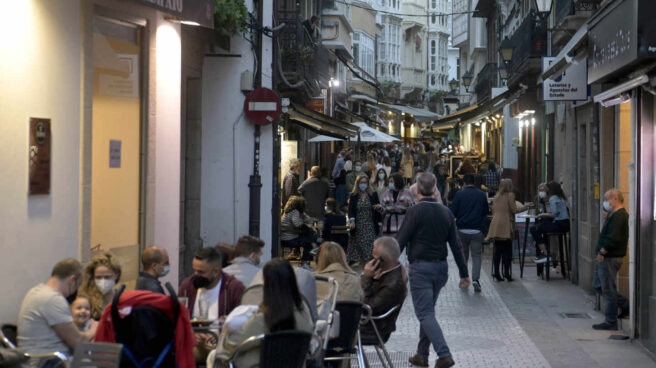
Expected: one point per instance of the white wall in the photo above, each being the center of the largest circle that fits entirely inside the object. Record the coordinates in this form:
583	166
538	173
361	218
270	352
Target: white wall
510	131
226	167
40	74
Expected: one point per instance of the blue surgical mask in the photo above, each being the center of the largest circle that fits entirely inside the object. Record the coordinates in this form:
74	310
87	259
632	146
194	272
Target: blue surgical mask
381	176
165	271
358	168
391	186
607	206
362	187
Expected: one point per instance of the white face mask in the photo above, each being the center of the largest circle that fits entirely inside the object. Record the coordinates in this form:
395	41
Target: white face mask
542	194
381	176
391	186
607	206
326	209
105	285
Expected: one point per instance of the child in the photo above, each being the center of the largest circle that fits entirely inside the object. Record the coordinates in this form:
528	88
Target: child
81	311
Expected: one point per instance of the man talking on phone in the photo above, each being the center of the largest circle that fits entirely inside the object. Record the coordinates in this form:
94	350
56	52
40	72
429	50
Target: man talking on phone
426	229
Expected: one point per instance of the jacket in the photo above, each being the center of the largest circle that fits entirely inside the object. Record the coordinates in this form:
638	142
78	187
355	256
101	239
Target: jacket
350	180
504	209
184	336
231	337
243	269
614	235
229	295
316	191
333	219
353	209
470	208
289	186
148	282
348	281
395	210
381	295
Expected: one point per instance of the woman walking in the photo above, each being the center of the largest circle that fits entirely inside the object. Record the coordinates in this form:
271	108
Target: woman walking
502	228
364	215
379	183
395	201
407	165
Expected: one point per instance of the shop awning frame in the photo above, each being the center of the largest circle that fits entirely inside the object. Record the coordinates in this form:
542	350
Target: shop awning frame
320	123
567	55
475	112
417	113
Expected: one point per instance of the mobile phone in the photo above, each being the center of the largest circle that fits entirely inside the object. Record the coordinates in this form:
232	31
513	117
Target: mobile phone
381	261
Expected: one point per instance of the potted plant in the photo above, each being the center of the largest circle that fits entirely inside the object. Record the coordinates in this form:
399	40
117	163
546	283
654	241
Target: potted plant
230	16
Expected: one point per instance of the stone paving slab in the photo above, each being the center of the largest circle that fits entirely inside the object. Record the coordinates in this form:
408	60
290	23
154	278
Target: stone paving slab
479	328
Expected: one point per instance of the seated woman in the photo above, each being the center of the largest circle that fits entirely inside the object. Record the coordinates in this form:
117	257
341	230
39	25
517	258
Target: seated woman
281	309
101	275
333	219
554	221
294	233
331	262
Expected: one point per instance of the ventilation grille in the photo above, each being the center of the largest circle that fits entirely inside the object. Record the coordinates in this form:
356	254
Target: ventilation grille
576	315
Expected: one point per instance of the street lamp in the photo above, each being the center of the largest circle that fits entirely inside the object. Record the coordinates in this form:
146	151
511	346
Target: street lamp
543	7
503	72
453	84
506	48
467	79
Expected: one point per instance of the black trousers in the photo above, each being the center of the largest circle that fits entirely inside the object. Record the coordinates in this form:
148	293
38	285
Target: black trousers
303	241
503	255
548	226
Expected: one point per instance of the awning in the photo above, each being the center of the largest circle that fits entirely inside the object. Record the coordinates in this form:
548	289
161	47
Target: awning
476	112
357	97
417	113
567	55
320	123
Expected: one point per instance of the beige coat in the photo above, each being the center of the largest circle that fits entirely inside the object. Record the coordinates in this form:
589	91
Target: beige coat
348	281
504	209
230	339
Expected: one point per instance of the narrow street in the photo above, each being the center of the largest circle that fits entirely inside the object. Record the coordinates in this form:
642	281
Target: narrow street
516	324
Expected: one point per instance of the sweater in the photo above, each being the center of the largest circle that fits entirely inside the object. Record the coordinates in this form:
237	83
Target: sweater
470	208
614	235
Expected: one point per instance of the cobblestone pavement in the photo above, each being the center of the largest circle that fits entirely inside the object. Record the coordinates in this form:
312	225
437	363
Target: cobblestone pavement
479	329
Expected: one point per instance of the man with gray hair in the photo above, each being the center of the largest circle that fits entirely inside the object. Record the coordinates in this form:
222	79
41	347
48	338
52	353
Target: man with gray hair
426	229
384	284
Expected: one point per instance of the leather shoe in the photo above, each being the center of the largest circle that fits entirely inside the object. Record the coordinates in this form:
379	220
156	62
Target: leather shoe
445	362
605	326
418	361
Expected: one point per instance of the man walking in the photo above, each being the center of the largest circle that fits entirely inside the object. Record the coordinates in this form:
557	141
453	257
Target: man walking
316	191
426	229
611	249
471	209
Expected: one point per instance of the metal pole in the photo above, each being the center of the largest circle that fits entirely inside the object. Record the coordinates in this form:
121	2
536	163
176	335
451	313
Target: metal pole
255	182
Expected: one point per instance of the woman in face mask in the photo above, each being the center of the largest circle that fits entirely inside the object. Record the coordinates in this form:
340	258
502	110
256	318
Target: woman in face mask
541	199
396	201
100	276
379	183
365	214
554	220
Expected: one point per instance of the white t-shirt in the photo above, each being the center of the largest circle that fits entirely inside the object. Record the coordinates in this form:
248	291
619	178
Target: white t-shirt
41	309
212	297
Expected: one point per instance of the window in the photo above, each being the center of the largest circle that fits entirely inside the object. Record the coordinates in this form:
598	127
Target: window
434	19
432	78
363	51
433	4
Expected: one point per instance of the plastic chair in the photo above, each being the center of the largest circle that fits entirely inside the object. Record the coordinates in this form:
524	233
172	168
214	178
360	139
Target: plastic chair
282	349
342	347
100	355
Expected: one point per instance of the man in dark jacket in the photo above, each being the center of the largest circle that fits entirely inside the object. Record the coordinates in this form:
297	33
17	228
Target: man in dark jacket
316	191
291	181
384	284
470	208
155	263
611	249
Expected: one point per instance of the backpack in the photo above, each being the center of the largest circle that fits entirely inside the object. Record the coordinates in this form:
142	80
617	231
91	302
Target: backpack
147	334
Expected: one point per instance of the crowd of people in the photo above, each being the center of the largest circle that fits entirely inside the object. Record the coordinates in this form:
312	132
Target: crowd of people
361	218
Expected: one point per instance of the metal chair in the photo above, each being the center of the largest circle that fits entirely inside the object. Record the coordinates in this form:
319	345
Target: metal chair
8	338
282	349
97	355
342	347
8	335
380	344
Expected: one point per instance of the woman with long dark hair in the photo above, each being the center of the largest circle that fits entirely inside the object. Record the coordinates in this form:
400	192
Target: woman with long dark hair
556	220
294	231
282	309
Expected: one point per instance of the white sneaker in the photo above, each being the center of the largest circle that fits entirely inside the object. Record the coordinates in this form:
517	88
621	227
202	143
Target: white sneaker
543	259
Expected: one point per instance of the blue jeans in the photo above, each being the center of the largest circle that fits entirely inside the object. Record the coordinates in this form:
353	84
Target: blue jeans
426	280
603	282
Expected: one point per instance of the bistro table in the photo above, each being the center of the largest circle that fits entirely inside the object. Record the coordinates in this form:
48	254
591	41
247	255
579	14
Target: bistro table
522	258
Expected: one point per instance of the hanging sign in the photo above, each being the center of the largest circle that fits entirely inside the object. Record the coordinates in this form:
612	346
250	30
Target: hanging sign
39	156
572	85
317	104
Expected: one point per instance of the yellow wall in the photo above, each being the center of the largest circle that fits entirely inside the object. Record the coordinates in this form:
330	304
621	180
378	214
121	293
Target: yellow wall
623	154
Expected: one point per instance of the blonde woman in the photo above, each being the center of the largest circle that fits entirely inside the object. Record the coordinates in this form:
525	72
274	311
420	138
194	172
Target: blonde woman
331	262
502	227
407	165
100	276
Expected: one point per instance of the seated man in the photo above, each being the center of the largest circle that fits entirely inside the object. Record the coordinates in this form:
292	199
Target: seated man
45	324
155	263
247	263
384	284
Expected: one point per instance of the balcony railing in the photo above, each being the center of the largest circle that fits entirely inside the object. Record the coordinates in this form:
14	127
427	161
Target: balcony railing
529	41
565	8
485	80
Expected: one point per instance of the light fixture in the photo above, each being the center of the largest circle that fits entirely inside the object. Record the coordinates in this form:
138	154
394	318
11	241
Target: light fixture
503	72
614	95
521	123
544	6
467	79
497	116
506	48
533	121
453	84
182	21
333	82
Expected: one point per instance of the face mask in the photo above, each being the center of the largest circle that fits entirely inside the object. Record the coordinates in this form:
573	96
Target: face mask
165	271
362	187
105	285
392	186
542	194
201	282
381	176
358	168
326	209
71	298
607	206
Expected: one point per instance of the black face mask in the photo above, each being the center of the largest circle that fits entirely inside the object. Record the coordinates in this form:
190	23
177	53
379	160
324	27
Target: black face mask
71	298
201	282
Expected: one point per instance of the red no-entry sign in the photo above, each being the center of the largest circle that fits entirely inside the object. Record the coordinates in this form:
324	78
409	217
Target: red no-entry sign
262	106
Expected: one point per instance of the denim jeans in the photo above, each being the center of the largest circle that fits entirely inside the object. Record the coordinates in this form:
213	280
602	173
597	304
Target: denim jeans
473	243
426	280
605	274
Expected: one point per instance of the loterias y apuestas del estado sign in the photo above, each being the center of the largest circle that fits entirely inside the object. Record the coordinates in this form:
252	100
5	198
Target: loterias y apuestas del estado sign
198	11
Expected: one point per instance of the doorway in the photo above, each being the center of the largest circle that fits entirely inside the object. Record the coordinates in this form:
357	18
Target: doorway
117	149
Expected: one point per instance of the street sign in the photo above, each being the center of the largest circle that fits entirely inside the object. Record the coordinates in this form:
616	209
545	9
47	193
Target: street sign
572	85
262	106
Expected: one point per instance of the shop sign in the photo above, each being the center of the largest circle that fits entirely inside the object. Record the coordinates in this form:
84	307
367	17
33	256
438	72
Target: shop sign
614	40
39	156
317	104
114	154
197	11
572	85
